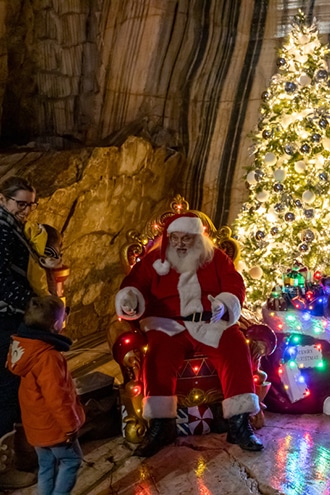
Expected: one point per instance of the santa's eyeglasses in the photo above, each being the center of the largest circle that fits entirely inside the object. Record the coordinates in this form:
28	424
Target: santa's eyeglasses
185	239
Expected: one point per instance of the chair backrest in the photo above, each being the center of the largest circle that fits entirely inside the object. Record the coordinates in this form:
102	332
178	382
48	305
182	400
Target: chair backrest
139	243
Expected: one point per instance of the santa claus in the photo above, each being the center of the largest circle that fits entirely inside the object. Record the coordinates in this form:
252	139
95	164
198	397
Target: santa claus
187	296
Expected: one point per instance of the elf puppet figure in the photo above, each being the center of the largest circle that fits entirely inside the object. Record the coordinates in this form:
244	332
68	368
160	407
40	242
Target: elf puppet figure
45	257
187	296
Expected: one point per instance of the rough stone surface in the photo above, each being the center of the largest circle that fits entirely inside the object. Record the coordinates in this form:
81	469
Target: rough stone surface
186	75
94	196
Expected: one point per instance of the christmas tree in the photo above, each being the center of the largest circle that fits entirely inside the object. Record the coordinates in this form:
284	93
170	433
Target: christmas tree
285	224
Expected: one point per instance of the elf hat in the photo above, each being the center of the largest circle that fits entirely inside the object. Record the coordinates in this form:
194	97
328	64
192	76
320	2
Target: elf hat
188	223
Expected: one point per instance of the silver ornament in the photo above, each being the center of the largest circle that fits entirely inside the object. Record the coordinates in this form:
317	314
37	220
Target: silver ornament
274	230
258	174
303	248
316	137
323	123
307	235
281	62
290	87
289	216
278	187
309	213
289	149
305	148
266	133
260	235
321	75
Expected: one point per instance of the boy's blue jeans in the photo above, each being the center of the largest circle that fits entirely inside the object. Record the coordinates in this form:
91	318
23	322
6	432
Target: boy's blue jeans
58	468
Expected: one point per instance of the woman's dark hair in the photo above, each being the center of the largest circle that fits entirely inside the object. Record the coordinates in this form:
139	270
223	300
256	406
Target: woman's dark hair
10	186
42	312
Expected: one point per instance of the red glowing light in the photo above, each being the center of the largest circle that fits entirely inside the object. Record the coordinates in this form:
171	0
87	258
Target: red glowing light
280	326
307	393
317	275
127	341
280	371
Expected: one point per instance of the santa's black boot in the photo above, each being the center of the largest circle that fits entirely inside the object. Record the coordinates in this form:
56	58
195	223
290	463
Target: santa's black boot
241	433
161	432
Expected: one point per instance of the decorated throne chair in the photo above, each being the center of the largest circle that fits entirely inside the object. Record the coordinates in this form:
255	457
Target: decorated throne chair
198	388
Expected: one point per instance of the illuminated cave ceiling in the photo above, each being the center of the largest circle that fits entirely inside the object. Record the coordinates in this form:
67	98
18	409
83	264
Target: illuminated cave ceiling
184	74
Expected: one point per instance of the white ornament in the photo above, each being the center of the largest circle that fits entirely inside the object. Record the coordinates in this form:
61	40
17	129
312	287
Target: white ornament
302	58
308	197
241	266
251	178
300	167
303	39
304	80
262	196
280	174
270	158
271	215
256	272
326	406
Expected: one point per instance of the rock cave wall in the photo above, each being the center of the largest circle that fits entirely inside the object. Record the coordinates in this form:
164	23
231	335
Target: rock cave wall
93	197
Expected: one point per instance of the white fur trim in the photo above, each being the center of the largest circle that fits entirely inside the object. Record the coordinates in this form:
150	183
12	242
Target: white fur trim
161	268
120	297
166	325
159	406
240	404
190	294
190	225
207	333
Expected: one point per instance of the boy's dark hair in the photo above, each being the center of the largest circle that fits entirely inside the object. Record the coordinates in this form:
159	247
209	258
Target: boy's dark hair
42	312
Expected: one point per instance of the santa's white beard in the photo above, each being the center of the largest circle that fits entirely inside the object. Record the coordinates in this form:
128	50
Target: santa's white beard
190	262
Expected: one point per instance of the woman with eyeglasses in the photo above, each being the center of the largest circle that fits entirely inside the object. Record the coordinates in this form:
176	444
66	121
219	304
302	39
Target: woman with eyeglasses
17	200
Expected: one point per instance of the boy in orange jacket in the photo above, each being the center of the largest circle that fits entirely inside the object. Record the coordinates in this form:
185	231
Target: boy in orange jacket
51	411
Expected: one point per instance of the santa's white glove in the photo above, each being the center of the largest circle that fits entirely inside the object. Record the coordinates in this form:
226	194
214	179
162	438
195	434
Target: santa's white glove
129	303
218	309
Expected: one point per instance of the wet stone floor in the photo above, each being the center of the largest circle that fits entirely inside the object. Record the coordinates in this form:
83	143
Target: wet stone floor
295	461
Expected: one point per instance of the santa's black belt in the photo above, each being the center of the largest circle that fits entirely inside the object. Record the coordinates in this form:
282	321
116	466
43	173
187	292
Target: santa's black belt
195	317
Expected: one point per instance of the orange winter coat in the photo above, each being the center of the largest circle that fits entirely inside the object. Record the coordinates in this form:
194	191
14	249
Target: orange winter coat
49	404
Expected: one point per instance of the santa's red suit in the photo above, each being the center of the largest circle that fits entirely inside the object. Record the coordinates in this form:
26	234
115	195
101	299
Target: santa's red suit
165	298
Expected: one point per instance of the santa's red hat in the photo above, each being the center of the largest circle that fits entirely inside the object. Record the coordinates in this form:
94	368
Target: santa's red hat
188	223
